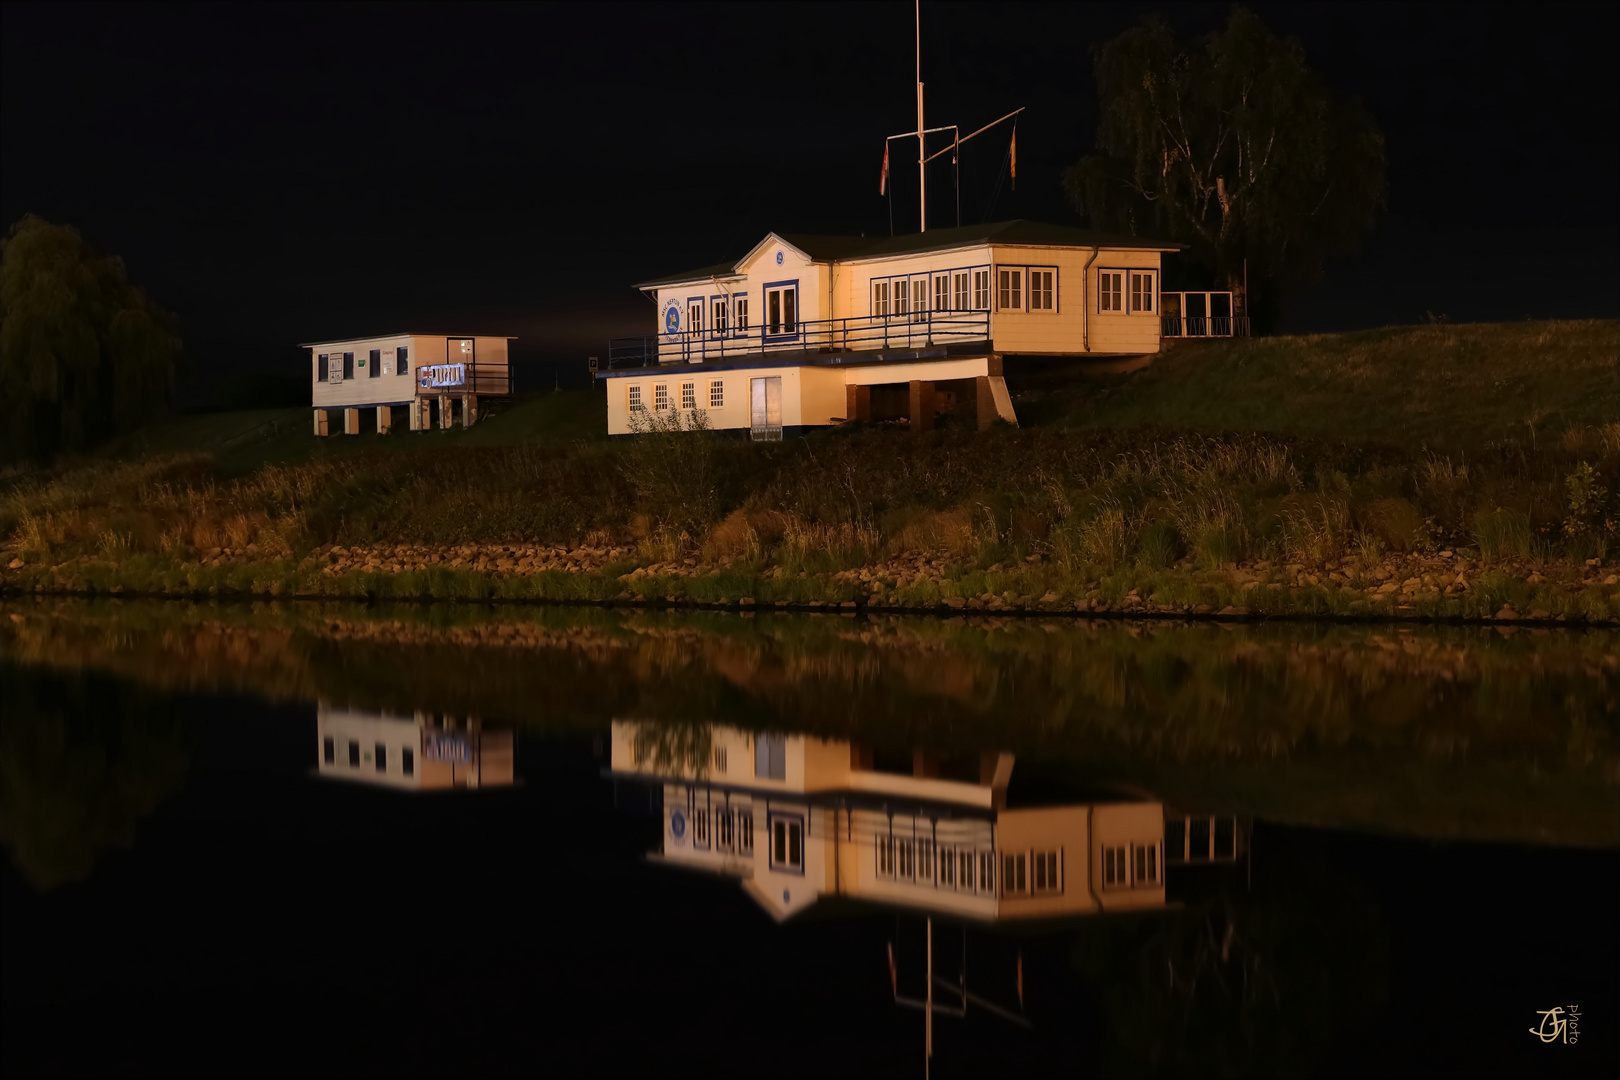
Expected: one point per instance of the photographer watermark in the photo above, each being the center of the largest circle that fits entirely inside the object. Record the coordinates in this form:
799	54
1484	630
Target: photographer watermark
1559	1024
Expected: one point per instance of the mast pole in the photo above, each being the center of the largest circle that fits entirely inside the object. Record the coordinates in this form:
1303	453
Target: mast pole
922	157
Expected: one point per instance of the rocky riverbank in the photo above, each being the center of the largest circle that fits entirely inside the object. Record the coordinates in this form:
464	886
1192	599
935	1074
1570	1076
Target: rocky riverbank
1443	584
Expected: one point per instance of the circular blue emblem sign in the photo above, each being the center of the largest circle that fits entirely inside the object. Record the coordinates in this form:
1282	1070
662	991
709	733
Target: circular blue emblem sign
672	320
677	825
778	258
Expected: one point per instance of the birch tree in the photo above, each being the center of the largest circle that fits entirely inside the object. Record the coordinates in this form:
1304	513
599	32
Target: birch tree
1230	144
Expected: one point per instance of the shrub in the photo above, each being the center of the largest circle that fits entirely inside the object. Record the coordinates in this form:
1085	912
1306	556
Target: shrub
1160	545
1504	534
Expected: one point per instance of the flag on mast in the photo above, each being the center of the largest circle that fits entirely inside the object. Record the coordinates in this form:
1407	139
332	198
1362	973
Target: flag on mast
1012	158
883	181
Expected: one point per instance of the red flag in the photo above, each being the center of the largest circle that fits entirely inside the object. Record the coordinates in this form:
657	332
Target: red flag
1012	155
883	181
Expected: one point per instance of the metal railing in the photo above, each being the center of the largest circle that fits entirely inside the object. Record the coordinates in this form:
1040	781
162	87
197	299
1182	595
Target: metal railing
431	380
1203	326
914	330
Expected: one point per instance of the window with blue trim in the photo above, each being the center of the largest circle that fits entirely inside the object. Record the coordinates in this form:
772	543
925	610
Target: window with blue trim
782	309
719	316
741	304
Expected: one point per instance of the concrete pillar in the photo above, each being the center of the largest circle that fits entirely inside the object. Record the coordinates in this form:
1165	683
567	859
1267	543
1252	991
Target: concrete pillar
416	414
984	402
857	402
351	421
320	422
469	410
385	418
447	417
922	405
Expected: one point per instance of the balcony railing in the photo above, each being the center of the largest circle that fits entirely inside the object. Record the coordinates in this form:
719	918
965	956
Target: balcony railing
915	330
1203	326
1200	314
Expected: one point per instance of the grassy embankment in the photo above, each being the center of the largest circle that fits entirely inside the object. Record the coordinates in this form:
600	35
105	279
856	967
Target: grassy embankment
1426	471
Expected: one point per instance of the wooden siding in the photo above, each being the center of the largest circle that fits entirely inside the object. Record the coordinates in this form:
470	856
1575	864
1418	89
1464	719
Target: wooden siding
491	353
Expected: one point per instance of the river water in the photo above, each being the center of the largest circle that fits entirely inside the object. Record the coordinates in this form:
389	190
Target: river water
1378	849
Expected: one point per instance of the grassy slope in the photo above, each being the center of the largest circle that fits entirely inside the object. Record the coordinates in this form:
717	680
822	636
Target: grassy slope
1449	388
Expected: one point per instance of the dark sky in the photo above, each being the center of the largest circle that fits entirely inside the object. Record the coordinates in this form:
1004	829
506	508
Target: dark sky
277	174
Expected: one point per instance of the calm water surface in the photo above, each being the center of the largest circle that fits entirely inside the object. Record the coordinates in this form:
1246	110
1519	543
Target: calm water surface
1419	833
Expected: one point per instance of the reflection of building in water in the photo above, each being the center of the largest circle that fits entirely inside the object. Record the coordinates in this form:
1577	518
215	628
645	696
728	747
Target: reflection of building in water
796	818
421	753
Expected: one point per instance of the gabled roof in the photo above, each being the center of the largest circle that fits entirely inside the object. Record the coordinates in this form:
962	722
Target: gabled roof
855	248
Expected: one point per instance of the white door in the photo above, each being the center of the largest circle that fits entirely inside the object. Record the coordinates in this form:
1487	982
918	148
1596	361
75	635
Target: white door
765	409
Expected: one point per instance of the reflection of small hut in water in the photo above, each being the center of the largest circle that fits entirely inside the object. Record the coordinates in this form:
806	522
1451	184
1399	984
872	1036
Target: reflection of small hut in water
421	753
795	818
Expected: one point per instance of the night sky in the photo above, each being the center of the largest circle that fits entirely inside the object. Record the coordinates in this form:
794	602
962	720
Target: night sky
282	174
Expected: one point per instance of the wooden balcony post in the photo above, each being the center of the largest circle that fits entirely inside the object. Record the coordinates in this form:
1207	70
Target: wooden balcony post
922	405
857	402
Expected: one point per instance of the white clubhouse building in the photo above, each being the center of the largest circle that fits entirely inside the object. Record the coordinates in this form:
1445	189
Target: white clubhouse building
794	819
808	331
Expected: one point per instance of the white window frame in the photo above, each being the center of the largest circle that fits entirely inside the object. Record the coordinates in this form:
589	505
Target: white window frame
745	829
1119	865
901	294
717	393
947	866
786	295
880	299
987	872
694	314
1015	879
1112	291
788	823
1143	285
905	858
740	323
1010	292
919	299
688	395
959	290
660	397
884	849
719	316
1046	872
981	289
942	292
725	829
633	401
1041	288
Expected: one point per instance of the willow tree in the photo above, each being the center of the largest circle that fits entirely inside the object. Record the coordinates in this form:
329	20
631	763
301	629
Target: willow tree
83	353
1232	145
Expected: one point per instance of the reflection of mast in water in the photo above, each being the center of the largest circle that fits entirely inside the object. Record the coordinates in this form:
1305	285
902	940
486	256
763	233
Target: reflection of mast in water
427	752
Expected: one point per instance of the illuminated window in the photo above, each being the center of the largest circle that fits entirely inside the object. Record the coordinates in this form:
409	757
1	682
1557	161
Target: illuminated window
1141	291
1010	289
407	761
961	301
1041	292
635	399
1111	290
688	395
329	750
942	293
719	322
660	396
742	314
717	393
382	758
880	305
402	362
981	290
